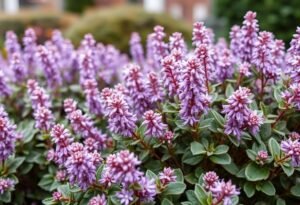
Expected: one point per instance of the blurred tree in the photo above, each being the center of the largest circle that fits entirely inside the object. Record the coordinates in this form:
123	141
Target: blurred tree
77	6
278	16
115	25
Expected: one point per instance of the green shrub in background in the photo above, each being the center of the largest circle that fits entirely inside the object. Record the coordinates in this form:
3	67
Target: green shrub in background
78	6
279	16
43	23
115	25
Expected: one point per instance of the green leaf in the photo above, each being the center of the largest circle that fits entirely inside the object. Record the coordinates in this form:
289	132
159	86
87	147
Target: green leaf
221	159
179	175
151	175
201	194
231	168
46	182
14	163
65	190
265	131
221	149
6	197
49	201
166	202
251	154
277	94
255	172
205	123
197	148
268	188
219	118
174	188
229	90
288	169
249	189
234	140
189	158
99	172
274	148
190	194
295	190
280	202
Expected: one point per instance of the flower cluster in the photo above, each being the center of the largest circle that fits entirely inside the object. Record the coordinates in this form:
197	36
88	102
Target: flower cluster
83	125
222	191
239	116
193	95
5	185
8	135
122	168
41	104
291	148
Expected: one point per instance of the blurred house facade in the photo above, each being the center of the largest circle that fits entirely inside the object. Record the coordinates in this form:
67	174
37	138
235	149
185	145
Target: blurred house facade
189	10
14	6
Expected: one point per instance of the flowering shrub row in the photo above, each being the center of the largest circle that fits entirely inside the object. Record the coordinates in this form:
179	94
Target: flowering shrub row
214	125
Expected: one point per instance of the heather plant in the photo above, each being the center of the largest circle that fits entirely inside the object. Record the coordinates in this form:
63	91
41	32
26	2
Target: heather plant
214	124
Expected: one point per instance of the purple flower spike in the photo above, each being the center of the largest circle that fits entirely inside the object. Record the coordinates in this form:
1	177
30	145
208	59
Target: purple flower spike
205	56
210	178
125	196
235	41
50	67
98	200
136	49
238	114
81	166
170	75
262	56
11	44
18	67
120	120
70	106
44	119
157	48
248	36
8	136
177	43
5	89
223	192
154	125
200	34
61	137
167	176
154	88
148	189
30	46
122	167
293	57
92	95
193	93
38	95
291	97
136	89
291	148
5	185
223	62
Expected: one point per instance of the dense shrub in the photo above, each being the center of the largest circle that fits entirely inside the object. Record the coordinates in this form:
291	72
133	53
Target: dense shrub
281	17
77	7
214	125
116	24
43	23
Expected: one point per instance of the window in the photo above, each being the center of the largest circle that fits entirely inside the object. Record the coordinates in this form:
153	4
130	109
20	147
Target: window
176	11
200	12
156	6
